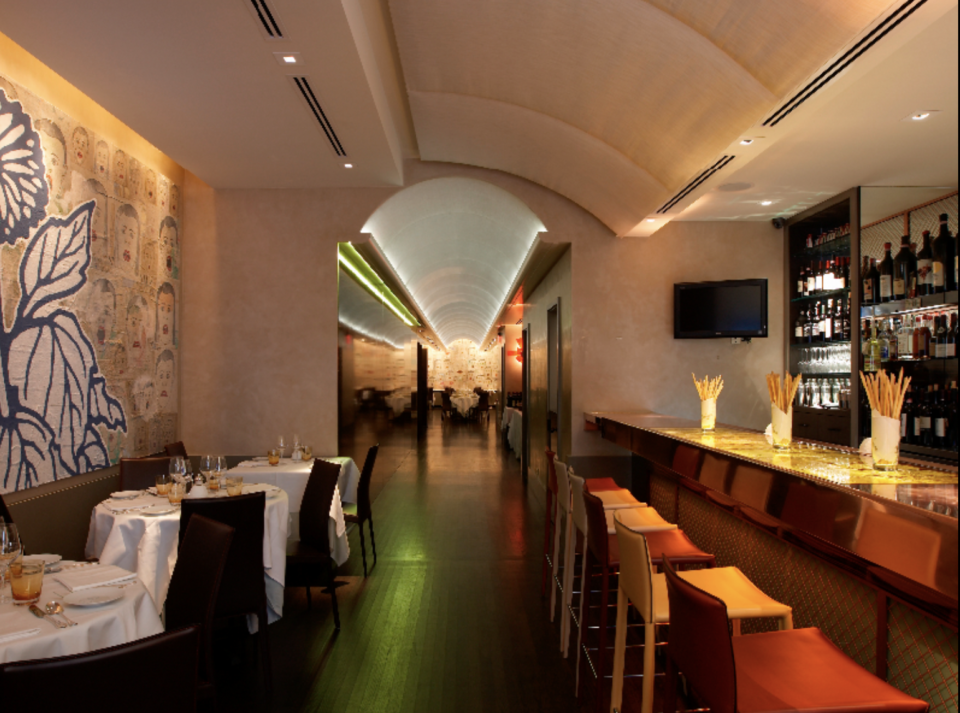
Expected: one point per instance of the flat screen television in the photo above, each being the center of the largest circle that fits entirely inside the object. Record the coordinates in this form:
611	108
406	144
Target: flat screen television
711	310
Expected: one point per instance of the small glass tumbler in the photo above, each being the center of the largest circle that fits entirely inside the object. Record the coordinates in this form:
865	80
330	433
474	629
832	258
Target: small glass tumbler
26	582
176	493
164	481
708	415
782	427
885	441
273	456
307	453
234	485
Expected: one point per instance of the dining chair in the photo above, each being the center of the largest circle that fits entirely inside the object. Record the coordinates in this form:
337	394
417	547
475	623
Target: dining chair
309	563
797	670
176	449
109	680
194	586
141	473
5	512
550	522
242	588
640	585
446	407
563	524
361	512
483	407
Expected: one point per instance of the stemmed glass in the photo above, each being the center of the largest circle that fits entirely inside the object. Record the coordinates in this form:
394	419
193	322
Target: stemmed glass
9	551
177	468
207	466
281	445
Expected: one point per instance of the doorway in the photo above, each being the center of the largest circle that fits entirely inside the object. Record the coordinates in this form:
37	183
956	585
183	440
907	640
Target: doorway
554	379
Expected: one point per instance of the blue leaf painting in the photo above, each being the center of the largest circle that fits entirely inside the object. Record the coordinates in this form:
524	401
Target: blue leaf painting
23	191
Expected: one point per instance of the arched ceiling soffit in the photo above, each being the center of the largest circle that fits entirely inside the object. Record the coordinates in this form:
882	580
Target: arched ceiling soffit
360	311
457	245
613	104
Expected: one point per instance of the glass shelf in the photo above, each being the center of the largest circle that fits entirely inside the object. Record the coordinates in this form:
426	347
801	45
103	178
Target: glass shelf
927	303
835	248
807	345
822	295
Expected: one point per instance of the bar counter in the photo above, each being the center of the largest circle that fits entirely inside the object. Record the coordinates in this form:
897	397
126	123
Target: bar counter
903	521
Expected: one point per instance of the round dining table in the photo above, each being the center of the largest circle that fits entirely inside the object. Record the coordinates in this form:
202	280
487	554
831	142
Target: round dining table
24	637
464	402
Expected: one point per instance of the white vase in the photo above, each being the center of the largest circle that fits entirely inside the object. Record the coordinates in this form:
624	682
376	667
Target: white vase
782	427
885	441
708	414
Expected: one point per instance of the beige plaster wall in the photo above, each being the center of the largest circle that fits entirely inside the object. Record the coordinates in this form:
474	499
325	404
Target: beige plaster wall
260	311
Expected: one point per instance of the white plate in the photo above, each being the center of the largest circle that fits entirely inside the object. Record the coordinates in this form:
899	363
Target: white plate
261	488
93	597
157	510
48	560
125	494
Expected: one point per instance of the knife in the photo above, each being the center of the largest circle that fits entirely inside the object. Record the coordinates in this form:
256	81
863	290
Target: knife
41	614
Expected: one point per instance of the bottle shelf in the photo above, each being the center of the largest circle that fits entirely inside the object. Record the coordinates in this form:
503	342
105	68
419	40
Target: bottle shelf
927	303
921	360
910	449
827	375
840	247
822	295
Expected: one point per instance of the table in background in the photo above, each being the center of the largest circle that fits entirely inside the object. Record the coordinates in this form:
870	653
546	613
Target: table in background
464	402
128	619
512	423
147	545
399	403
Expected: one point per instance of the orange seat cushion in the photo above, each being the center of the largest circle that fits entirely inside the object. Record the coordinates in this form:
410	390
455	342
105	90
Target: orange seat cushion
678	548
803	670
596	485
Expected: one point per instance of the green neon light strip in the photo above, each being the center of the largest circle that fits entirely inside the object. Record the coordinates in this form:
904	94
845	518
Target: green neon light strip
367	276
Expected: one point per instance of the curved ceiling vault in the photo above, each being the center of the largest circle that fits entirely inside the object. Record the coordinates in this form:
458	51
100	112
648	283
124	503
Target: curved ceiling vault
457	244
616	104
360	312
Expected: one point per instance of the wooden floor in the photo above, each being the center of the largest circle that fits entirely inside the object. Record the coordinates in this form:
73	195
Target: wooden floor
450	619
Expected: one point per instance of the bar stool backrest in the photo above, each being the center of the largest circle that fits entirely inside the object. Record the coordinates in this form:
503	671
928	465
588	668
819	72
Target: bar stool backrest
636	569
699	642
596	531
576	494
552	475
563	486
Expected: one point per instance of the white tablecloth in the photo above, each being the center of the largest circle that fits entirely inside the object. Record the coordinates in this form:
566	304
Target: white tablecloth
147	545
513	424
131	618
399	403
464	402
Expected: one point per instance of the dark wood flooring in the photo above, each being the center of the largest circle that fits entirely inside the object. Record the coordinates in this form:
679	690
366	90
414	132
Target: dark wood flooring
450	619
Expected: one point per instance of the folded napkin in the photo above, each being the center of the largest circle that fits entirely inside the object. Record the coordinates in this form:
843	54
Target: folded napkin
13	627
76	580
250	464
131	504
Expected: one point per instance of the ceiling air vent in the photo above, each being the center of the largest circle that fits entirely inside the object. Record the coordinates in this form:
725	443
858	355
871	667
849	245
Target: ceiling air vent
313	104
696	183
882	29
266	19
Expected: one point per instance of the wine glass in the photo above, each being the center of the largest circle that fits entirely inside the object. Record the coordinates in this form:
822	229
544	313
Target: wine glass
207	466
10	549
176	468
281	445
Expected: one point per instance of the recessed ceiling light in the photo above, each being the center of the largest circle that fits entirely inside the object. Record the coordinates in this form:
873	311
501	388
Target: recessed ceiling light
921	115
746	142
766	202
651	220
289	59
348	165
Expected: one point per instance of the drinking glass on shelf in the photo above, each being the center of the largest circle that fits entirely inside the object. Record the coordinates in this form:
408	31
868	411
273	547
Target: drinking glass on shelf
164	481
9	551
26	582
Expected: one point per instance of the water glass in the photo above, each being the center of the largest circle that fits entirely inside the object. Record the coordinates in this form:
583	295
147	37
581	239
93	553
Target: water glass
307	453
273	456
234	485
176	493
26	582
281	445
9	551
164	482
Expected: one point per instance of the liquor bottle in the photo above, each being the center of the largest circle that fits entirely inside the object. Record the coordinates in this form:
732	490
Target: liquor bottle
838	321
952	418
886	274
924	422
844	274
923	345
802	282
892	341
952	338
811	278
798	337
810	240
866	290
808	326
818	278
939	414
904	271
943	257
826	322
847	327
915	342
884	342
905	339
906	417
817	328
940	338
925	266
872	353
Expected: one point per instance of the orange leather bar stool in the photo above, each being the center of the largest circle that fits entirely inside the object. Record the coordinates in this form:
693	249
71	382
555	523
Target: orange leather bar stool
598	485
551	521
798	670
647	591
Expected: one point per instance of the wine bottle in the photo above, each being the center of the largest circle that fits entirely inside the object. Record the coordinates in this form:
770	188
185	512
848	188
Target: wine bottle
818	278
886	274
951	348
925	422
943	257
802	282
811	279
925	266
808	326
940	338
939	419
904	271
847	327
906	417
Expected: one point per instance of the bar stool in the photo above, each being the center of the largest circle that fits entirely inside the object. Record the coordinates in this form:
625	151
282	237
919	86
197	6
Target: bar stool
777	671
617	499
562	518
647	591
551	522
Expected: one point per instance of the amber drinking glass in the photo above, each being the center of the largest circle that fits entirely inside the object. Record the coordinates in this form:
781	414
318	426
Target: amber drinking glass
273	456
307	453
26	582
234	485
176	492
163	484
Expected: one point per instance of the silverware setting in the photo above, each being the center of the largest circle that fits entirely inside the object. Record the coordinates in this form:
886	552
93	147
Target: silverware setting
55	608
40	614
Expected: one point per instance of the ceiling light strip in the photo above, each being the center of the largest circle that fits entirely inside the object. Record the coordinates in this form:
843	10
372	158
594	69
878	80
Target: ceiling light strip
367	276
362	332
307	91
853	54
696	183
514	287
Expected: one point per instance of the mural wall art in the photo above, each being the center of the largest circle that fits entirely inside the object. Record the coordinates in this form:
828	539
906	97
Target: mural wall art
89	294
464	367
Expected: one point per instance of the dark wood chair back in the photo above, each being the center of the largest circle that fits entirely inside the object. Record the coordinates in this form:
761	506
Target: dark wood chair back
242	590
5	512
315	506
195	584
140	473
699	642
61	683
363	487
484	404
176	449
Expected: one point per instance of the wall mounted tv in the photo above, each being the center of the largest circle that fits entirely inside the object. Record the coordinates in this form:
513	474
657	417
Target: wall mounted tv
711	310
